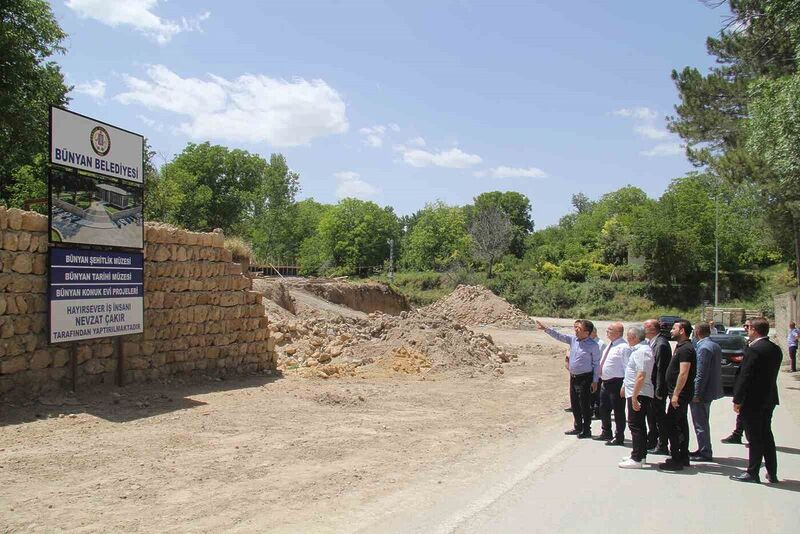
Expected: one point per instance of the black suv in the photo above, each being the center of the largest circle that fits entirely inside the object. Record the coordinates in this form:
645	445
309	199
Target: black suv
666	323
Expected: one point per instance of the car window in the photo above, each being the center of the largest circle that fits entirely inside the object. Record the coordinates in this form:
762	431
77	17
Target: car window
729	342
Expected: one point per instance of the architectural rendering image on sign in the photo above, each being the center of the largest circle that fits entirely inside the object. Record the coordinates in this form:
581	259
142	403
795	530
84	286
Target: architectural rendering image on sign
90	211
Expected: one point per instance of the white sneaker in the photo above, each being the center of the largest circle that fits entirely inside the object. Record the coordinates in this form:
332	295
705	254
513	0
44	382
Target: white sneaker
630	463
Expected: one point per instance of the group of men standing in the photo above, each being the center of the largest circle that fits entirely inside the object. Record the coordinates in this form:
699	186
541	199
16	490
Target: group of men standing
637	371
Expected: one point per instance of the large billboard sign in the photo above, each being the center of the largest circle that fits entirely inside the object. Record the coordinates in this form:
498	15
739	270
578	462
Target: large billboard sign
85	144
95	294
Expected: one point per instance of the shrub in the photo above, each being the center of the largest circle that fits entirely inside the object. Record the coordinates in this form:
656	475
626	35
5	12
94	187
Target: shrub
241	249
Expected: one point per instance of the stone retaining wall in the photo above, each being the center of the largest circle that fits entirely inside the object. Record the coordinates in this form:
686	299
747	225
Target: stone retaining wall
199	314
136	210
66	206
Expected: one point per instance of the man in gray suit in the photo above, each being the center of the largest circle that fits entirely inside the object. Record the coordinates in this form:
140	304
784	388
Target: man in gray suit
707	388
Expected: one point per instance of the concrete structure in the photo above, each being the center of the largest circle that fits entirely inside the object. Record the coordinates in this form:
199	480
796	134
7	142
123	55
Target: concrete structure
115	196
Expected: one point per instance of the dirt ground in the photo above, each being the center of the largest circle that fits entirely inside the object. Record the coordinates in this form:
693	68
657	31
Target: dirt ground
284	454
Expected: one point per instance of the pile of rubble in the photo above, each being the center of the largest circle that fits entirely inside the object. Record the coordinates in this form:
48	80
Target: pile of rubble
476	305
411	343
322	343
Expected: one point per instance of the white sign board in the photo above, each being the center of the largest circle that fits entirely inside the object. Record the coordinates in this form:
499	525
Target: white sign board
86	144
95	294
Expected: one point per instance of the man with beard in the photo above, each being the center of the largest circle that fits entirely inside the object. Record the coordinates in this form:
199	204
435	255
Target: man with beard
755	396
680	388
707	388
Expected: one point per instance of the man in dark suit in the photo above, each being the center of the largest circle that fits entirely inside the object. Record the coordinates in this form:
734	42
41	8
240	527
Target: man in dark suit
755	396
657	433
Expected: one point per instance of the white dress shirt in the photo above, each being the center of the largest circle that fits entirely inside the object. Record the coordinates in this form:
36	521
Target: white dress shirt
616	361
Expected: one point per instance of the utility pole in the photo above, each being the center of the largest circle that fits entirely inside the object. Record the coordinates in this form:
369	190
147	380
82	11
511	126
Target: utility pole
390	242
716	246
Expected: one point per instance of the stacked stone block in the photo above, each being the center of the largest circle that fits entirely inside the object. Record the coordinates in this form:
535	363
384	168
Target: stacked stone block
199	313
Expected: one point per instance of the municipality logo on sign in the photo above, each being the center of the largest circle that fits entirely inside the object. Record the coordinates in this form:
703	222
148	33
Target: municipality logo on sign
101	141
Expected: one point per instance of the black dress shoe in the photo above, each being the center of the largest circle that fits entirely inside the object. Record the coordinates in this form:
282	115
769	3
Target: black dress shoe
572	432
772	479
659	450
615	443
602	437
669	465
745	477
700	458
584	435
733	438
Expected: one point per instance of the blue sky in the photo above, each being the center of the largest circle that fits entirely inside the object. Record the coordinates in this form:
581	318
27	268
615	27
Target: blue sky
401	102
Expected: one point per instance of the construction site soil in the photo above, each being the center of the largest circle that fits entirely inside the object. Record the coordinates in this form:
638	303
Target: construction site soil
371	412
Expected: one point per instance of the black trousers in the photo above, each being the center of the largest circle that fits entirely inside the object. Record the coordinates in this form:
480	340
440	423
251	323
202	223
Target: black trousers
758	427
636	422
678	423
793	357
610	400
739	429
581	400
657	431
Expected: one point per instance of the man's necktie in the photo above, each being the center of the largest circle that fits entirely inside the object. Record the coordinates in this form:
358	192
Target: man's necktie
603	359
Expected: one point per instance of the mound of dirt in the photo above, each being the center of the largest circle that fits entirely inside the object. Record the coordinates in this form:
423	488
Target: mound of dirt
276	292
476	305
317	337
412	343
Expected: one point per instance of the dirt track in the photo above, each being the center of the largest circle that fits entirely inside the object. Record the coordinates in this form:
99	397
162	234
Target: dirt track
286	454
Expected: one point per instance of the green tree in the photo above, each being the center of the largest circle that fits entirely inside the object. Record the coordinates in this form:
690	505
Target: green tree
212	186
29	83
518	208
677	236
581	203
774	129
29	182
759	41
300	222
274	234
438	237
353	234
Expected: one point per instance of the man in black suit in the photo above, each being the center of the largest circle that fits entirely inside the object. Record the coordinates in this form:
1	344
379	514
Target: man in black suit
755	396
657	433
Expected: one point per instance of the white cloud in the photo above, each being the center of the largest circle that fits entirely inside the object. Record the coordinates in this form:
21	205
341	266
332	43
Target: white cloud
150	123
664	149
350	185
95	89
250	108
640	113
417	142
373	135
137	14
394	127
453	159
646	127
651	132
512	172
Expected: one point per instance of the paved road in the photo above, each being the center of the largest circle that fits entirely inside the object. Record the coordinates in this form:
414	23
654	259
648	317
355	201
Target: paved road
576	486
